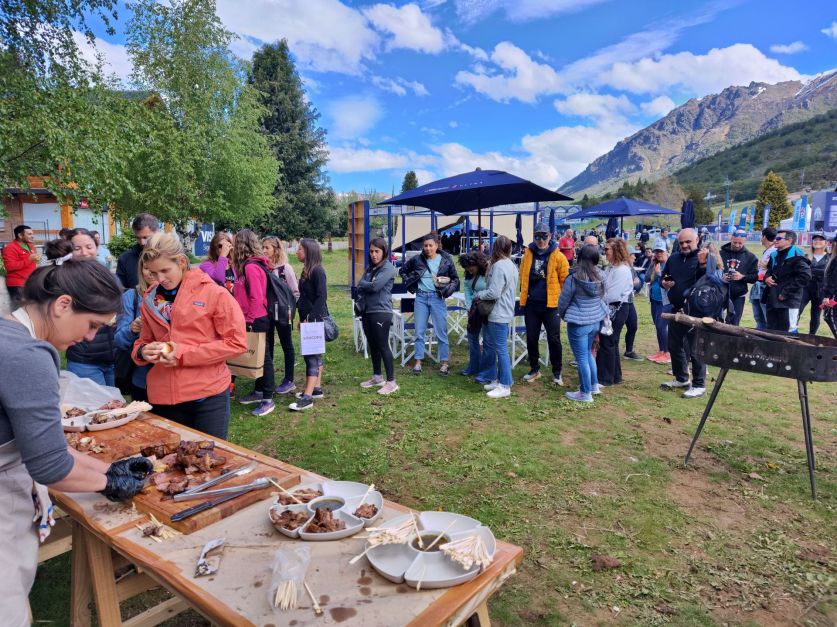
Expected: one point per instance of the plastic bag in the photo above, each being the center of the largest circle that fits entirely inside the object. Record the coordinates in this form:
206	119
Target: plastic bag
288	576
85	393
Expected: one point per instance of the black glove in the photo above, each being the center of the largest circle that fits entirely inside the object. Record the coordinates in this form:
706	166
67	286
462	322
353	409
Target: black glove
121	487
138	467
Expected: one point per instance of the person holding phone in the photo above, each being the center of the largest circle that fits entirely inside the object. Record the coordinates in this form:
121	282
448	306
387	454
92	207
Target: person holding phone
741	268
218	265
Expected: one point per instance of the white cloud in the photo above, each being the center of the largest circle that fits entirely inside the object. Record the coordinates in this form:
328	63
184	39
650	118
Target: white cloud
522	78
433	132
353	116
115	59
831	31
408	26
453	124
347	159
600	106
738	64
317	30
399	86
658	107
425	176
792	48
519	10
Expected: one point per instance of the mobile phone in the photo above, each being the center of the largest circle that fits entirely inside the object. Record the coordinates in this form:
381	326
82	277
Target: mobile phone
667	277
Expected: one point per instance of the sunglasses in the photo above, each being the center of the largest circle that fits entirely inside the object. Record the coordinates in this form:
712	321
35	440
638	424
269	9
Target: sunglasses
779	238
541	237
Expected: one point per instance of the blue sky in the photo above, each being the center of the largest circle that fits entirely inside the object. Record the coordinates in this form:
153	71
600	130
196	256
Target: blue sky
536	87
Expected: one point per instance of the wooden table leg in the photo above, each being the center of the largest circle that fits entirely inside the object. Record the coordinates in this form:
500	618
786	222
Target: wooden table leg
104	584
80	580
480	617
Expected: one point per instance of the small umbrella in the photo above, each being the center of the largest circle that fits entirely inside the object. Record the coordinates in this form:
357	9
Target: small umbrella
518	225
687	214
552	220
621	207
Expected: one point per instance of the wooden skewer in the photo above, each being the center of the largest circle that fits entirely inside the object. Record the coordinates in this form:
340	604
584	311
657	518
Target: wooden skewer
368	492
317	609
285	491
440	536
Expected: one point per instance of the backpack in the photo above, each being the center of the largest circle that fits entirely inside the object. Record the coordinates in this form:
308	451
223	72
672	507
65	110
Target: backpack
281	304
709	295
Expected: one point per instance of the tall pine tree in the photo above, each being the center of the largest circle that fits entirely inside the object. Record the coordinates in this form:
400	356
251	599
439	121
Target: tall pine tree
410	181
304	201
773	191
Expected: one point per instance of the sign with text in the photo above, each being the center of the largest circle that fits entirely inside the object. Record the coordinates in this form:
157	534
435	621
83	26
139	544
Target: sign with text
205	235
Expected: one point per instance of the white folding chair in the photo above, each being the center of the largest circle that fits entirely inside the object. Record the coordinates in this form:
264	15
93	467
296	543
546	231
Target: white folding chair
403	333
361	345
458	318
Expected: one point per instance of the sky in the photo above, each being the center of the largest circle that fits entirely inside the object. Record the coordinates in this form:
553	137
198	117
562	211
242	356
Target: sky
539	88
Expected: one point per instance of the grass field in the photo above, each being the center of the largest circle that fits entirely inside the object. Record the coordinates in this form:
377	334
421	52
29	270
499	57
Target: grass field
734	539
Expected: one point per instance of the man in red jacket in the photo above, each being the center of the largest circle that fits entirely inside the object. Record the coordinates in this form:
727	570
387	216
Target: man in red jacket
20	260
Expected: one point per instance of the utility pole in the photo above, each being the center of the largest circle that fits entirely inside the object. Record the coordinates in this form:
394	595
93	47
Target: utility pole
727	184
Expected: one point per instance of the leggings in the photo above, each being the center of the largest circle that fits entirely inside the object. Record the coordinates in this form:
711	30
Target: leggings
286	339
313	363
376	329
211	415
265	384
631	327
830	317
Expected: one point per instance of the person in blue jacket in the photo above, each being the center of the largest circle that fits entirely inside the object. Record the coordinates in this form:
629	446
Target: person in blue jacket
128	327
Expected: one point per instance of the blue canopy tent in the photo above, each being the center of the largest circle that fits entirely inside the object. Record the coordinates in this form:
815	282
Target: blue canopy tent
621	207
477	190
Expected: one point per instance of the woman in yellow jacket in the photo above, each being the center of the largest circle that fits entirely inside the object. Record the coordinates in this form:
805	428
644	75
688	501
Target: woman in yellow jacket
542	274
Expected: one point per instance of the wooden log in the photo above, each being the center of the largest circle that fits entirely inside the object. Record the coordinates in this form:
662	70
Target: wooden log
730	329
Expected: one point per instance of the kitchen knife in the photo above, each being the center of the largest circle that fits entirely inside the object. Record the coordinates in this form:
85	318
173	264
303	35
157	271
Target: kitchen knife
261	482
202	507
243	470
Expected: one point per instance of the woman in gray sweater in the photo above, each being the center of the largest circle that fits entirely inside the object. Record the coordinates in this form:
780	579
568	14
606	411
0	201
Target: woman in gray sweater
374	304
502	290
62	305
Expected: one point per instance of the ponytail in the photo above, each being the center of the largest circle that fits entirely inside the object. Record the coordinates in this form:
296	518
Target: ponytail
91	286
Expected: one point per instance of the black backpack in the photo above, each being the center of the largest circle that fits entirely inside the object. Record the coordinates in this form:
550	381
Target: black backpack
709	295
281	304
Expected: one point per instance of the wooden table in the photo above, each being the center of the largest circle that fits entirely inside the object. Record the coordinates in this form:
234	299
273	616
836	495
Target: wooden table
238	593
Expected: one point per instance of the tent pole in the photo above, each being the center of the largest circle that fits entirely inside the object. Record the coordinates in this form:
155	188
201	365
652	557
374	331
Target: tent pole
479	226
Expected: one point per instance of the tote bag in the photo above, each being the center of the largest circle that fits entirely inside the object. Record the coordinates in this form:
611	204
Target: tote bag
312	338
250	363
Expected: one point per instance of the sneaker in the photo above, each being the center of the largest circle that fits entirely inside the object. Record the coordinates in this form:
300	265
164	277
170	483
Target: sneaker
286	387
598	389
665	359
465	373
375	382
416	370
490	386
264	408
579	397
481	381
574	363
304	402
317	394
388	388
694	392
532	375
253	397
673	385
559	380
655	356
444	370
632	355
501	391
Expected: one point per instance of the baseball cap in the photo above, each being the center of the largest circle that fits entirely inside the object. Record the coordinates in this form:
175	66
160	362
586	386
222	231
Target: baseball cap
541	227
658	247
818	235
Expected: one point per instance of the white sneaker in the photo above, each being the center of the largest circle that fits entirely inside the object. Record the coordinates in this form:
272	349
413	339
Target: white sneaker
559	380
501	391
490	386
673	385
694	392
598	389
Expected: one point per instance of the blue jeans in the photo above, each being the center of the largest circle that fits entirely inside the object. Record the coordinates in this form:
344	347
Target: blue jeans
495	358
429	305
474	354
103	374
657	311
581	338
759	313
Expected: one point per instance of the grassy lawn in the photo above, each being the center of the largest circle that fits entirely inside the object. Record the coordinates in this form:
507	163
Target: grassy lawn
732	539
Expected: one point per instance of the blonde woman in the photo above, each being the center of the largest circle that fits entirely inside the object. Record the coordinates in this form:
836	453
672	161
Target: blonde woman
275	252
189	381
618	285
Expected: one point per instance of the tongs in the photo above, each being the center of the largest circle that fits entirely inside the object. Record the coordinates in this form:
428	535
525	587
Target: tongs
261	482
198	491
228	494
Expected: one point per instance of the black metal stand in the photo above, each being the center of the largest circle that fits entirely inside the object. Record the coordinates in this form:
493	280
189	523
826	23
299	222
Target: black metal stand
802	388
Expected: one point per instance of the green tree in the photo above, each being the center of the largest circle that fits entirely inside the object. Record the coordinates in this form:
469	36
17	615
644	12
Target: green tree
410	181
203	157
773	191
304	203
58	117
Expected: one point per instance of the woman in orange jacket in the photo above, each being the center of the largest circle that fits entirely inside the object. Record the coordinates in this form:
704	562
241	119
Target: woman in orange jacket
190	327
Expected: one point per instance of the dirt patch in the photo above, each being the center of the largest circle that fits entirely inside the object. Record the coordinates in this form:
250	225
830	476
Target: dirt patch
707	501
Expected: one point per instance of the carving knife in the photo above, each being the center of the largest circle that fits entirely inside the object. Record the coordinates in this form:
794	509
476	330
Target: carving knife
243	470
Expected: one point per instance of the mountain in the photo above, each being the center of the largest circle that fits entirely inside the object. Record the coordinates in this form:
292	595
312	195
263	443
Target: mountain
803	154
704	126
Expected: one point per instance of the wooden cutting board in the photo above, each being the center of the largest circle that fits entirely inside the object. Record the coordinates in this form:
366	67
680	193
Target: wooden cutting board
127	440
151	500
